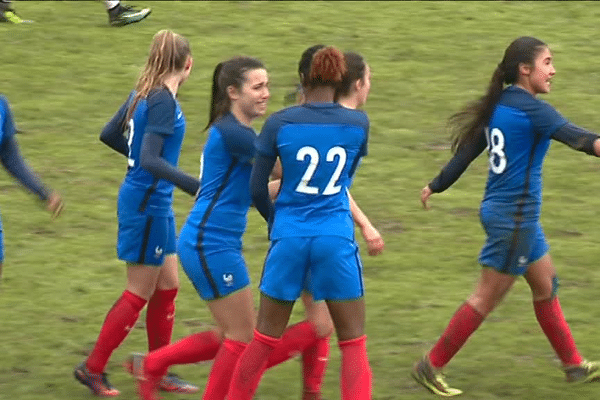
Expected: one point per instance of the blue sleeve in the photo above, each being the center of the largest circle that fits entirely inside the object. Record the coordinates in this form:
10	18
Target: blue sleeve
240	144
11	159
259	186
266	143
463	157
363	148
161	113
112	134
7	125
545	119
151	161
577	138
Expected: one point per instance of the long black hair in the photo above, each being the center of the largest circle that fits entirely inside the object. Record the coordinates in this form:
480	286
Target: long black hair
466	125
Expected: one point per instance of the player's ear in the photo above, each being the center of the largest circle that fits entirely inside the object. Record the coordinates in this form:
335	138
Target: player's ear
233	92
525	69
359	84
189	63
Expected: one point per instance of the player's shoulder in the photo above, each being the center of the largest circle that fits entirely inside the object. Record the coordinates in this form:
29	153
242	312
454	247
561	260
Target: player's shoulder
229	123
518	98
353	116
161	96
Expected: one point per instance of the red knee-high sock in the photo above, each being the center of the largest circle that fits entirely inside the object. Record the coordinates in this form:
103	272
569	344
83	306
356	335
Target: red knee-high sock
314	363
552	320
160	317
251	366
356	377
220	374
119	321
192	349
294	341
465	321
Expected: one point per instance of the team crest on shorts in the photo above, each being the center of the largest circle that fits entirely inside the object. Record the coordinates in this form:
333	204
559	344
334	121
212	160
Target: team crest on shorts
228	279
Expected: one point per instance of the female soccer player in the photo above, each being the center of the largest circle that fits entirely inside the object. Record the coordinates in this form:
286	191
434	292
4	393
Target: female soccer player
352	93
13	162
516	128
146	237
319	144
210	243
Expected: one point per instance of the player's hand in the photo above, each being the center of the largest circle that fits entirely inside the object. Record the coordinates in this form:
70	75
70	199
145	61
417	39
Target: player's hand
54	204
375	243
425	194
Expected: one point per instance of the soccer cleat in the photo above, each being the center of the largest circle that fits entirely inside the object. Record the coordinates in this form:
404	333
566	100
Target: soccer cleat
147	386
433	381
10	16
173	383
587	371
98	383
168	383
125	15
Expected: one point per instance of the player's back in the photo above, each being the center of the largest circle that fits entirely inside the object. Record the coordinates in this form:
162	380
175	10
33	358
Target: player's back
320	146
158	113
518	137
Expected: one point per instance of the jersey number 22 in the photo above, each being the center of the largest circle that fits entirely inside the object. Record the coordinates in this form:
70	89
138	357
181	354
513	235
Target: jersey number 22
313	163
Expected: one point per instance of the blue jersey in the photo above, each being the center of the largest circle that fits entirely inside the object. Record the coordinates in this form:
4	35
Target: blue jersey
518	138
320	146
7	125
159	113
222	205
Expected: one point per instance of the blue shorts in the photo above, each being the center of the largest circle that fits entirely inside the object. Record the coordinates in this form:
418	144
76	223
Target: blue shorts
328	267
510	247
145	239
214	272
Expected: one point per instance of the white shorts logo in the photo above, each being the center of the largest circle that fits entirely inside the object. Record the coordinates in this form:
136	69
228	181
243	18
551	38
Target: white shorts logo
228	279
158	252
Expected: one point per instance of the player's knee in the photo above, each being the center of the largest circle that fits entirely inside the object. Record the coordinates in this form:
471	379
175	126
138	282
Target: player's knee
323	326
318	315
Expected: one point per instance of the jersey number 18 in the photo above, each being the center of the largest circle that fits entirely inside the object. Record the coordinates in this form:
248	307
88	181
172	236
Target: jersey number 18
495	140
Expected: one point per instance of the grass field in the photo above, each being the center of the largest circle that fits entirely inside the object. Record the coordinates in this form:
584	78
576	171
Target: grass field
67	73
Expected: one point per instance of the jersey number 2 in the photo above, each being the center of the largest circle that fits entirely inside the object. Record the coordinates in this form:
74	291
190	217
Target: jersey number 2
495	140
130	161
313	155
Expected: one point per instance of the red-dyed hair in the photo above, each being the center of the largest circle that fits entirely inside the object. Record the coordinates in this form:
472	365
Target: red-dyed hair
328	68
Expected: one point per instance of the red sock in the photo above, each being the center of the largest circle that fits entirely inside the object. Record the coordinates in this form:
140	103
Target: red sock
465	321
220	374
356	377
294	341
552	320
160	316
251	366
119	321
192	349
314	363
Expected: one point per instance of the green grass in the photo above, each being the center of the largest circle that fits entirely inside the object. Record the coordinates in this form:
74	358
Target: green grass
67	73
